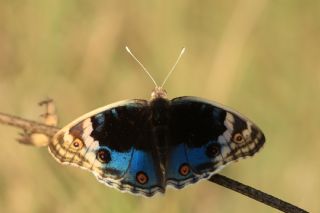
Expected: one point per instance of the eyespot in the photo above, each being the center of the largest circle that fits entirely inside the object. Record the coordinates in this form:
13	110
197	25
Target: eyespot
238	138
213	150
103	156
77	144
184	169
142	177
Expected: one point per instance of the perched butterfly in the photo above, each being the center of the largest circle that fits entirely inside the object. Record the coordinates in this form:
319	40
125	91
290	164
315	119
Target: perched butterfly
142	146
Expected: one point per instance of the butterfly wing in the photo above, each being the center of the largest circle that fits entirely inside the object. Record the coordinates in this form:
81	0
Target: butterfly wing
204	137
115	143
119	145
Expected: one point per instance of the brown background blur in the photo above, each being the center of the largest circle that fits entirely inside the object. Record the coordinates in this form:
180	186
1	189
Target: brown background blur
259	57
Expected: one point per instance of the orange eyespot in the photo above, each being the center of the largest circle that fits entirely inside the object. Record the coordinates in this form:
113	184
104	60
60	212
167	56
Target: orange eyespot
103	156
77	144
238	138
184	169
142	178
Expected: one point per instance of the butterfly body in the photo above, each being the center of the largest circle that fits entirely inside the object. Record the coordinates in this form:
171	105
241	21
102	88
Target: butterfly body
143	146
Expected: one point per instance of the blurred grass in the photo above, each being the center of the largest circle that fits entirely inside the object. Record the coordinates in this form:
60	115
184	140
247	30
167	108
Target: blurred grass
259	57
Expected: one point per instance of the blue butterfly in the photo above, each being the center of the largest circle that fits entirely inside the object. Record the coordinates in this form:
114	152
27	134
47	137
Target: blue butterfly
142	146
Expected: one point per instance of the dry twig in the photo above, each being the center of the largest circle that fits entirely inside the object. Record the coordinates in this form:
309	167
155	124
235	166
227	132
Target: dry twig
255	194
36	127
28	125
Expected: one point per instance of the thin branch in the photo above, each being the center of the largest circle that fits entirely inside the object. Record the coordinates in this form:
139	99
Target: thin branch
36	127
255	194
28	125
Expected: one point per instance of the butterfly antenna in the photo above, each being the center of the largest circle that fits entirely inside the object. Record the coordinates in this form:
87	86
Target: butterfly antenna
174	66
129	51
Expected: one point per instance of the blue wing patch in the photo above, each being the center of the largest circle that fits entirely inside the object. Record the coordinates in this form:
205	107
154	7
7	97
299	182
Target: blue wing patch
178	171
144	175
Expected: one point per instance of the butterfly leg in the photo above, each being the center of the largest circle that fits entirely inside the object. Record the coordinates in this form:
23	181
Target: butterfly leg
49	118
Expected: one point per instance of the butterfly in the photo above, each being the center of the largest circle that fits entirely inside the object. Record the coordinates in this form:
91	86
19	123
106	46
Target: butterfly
143	146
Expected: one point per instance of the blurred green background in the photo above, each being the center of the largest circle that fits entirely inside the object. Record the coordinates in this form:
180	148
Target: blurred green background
259	57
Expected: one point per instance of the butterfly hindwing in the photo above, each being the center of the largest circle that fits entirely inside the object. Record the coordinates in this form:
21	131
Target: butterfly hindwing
143	176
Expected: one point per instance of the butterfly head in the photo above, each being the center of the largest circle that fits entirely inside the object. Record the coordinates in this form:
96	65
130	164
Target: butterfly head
158	92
